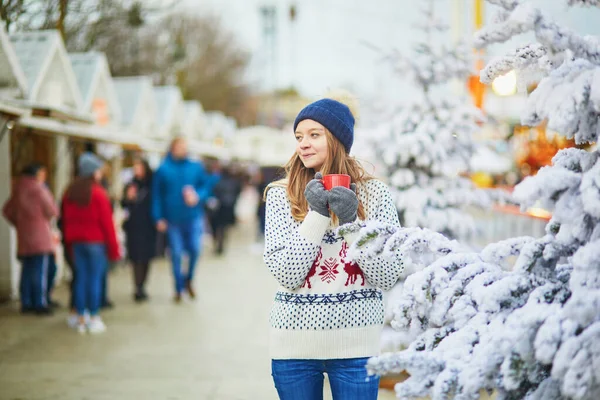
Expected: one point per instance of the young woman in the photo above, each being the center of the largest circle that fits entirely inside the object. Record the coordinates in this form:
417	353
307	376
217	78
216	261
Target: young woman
328	313
139	227
89	234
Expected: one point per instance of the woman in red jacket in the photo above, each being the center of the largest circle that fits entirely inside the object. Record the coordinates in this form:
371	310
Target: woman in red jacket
89	233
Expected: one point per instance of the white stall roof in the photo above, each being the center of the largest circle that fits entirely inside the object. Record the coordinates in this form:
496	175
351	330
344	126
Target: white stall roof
91	70
168	99
87	68
193	108
193	120
11	74
130	92
36	50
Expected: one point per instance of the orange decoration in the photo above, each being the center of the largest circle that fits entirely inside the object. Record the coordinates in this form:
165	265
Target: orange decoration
100	110
476	88
535	150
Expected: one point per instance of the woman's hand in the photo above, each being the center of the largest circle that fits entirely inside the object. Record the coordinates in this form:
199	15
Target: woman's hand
316	195
344	203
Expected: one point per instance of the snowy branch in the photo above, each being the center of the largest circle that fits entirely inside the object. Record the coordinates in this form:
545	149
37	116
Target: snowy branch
533	55
524	18
585	3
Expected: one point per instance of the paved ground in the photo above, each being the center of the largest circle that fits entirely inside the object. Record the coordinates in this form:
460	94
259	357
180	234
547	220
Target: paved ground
214	348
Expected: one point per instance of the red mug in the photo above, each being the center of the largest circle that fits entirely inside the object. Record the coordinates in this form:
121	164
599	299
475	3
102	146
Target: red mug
333	180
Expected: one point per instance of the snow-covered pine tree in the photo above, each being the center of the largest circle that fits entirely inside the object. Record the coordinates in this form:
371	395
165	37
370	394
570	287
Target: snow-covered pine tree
530	331
428	143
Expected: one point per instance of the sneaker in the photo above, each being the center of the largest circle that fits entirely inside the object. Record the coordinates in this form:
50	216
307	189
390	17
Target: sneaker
73	321
177	298
96	325
81	329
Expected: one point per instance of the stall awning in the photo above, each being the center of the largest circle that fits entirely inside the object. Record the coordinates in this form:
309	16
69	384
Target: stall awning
77	130
47	111
7	108
209	150
153	146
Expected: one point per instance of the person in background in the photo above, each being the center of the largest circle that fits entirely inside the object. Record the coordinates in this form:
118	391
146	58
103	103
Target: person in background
179	189
30	210
226	192
68	257
89	233
261	186
211	205
140	230
52	269
104	300
90	148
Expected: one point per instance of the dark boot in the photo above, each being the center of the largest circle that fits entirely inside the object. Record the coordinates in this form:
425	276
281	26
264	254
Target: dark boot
54	304
140	295
44	311
107	305
190	289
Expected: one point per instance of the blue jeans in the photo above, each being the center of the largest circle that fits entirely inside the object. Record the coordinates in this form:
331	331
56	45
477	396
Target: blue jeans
90	265
303	379
34	281
184	237
51	276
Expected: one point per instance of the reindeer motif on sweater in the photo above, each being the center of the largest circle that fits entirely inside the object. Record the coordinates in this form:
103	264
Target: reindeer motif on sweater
313	269
350	267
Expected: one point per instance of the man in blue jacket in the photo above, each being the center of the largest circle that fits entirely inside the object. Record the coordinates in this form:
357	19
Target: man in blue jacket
180	187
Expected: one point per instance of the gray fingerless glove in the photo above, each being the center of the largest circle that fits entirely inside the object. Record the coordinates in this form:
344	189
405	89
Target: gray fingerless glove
344	203
316	195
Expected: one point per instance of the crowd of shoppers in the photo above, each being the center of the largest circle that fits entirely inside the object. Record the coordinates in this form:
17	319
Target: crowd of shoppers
170	203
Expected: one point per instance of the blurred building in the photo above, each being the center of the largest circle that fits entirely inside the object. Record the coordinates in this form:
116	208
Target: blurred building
170	111
279	109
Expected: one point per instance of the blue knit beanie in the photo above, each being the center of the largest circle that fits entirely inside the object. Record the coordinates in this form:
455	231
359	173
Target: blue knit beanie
88	164
334	116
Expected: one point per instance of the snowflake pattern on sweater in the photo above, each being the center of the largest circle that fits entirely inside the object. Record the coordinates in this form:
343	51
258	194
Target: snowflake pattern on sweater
322	289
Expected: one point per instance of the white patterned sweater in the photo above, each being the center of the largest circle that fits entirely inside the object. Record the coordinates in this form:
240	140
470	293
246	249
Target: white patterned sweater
328	306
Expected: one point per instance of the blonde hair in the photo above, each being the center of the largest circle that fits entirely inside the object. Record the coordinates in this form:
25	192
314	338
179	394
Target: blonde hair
338	161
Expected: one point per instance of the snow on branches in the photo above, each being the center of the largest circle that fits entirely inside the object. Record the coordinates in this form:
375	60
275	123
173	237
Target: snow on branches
585	3
472	323
426	146
568	96
521	317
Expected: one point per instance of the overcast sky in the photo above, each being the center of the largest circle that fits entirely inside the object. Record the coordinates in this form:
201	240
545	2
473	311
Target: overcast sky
326	47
